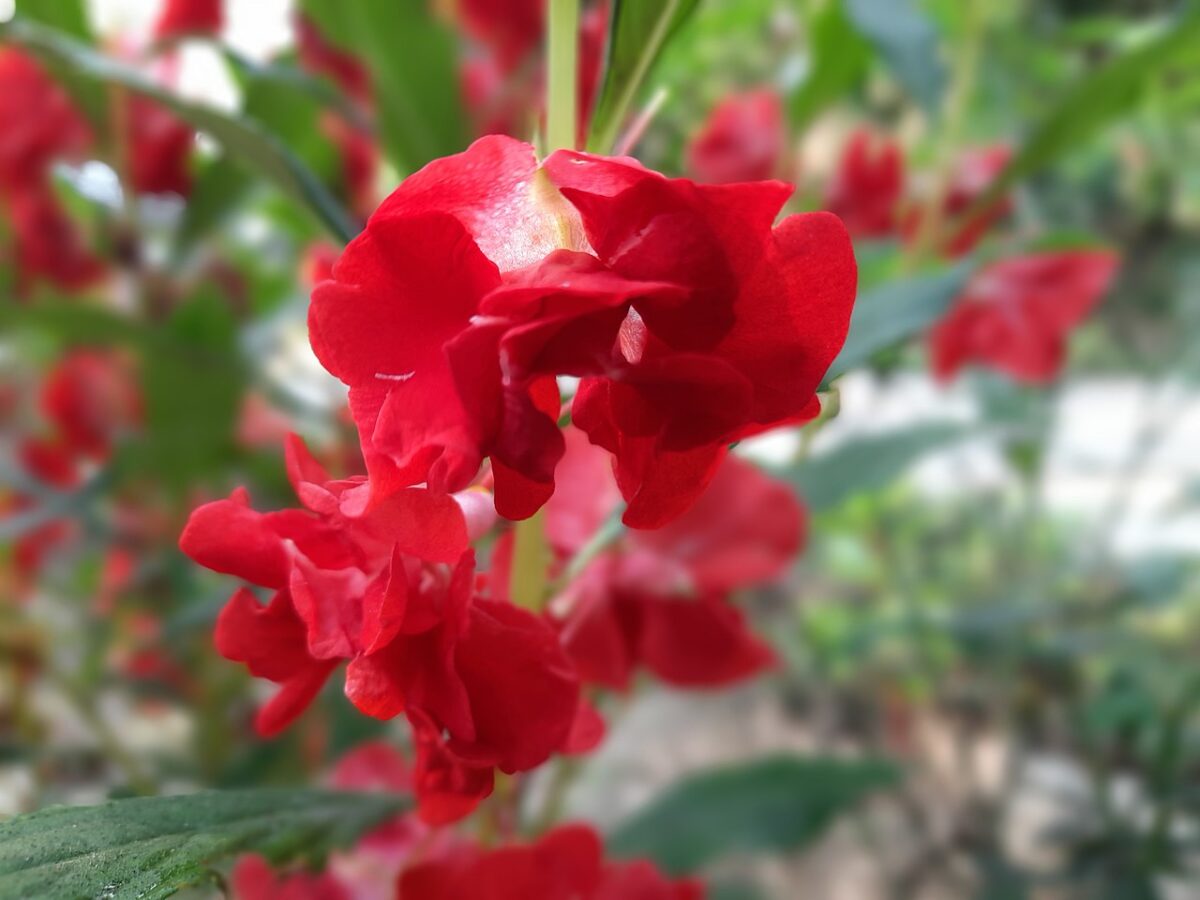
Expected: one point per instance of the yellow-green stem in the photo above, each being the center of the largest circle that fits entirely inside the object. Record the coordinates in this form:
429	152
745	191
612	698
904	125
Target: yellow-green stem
965	74
562	41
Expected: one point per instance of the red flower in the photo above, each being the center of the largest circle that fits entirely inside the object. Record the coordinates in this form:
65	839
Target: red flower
659	598
160	147
1015	315
694	322
973	174
47	244
564	864
743	140
38	122
318	55
89	397
389	587
179	18
253	878
359	158
866	189
512	29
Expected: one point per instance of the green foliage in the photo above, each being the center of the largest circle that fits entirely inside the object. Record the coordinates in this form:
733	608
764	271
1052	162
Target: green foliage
414	79
769	805
908	40
838	60
239	136
897	311
71	18
151	847
191	377
867	464
1102	97
638	31
288	104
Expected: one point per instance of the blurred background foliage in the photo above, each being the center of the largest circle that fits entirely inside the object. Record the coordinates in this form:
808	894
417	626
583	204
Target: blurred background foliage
1000	593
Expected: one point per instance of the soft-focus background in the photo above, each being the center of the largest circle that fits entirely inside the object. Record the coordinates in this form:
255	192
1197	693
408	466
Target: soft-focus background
999	591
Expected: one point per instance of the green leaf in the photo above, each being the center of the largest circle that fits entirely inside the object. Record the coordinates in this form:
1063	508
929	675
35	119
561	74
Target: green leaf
865	465
71	18
151	847
638	31
908	40
241	138
67	16
413	63
288	104
768	806
1103	96
895	312
839	58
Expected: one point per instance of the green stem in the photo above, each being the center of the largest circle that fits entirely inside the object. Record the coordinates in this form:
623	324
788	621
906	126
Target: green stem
562	41
965	76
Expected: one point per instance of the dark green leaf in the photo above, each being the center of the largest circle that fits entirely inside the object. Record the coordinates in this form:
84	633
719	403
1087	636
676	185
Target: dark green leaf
839	58
638	31
1105	95
151	847
770	805
866	465
288	104
896	312
71	18
241	138
414	76
905	37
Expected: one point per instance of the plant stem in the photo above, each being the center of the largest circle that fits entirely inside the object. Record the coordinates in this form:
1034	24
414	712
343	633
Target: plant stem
965	75
562	43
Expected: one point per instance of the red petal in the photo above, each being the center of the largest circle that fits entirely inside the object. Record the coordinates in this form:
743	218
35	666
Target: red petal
699	643
228	537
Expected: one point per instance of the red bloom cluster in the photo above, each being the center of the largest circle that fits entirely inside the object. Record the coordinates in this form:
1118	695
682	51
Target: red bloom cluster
180	18
354	143
1015	315
868	192
743	140
660	599
692	320
40	125
564	864
388	586
502	81
868	186
160	146
86	400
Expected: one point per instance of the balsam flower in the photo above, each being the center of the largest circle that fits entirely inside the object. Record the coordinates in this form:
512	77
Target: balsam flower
1015	315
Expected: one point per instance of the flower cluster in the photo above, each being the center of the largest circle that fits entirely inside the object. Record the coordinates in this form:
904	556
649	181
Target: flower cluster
42	126
690	321
405	858
1015	314
86	400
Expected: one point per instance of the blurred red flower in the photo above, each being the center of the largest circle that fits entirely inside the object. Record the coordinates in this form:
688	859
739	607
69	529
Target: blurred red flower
973	173
564	864
253	878
179	18
1015	314
743	140
693	321
38	123
160	147
321	57
866	190
659	599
